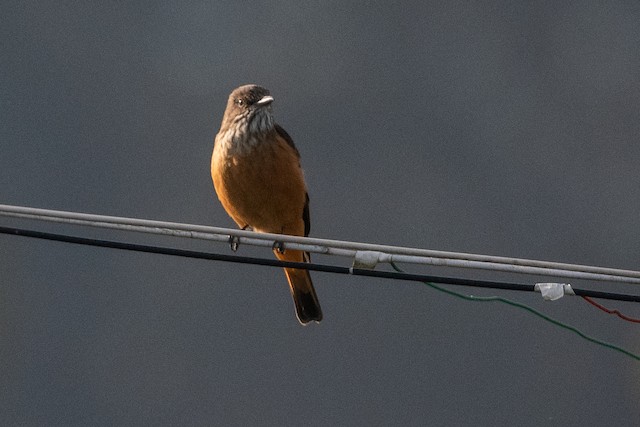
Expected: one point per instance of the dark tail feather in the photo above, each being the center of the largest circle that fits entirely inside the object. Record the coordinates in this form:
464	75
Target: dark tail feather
304	296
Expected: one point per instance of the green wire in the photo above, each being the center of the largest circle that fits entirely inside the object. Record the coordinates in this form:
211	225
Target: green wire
529	309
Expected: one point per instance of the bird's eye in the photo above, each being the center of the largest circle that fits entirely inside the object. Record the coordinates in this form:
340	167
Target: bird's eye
240	101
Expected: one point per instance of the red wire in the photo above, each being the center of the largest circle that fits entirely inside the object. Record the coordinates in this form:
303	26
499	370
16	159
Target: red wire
606	310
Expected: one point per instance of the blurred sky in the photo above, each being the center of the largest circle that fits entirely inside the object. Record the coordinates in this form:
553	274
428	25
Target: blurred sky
495	127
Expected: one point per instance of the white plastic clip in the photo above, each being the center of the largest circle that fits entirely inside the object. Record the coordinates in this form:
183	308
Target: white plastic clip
553	291
366	259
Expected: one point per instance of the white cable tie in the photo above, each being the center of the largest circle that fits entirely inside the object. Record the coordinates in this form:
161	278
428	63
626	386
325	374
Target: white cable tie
366	259
553	291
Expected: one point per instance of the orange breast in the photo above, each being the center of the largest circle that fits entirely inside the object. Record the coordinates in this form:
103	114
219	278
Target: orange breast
262	187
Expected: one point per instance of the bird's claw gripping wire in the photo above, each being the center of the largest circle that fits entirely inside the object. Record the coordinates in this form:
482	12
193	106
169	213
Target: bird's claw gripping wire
234	242
278	246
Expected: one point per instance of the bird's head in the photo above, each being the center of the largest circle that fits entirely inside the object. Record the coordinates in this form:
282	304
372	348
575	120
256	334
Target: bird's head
248	111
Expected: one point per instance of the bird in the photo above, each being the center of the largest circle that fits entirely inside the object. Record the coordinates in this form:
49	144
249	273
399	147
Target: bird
257	176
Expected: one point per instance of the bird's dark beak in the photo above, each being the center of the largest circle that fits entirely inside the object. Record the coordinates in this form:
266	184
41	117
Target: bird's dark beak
266	100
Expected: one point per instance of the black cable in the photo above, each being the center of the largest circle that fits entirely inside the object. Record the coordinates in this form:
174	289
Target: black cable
171	251
302	265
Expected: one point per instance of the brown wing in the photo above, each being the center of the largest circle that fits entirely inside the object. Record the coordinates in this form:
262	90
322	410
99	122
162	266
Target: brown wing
306	216
305	213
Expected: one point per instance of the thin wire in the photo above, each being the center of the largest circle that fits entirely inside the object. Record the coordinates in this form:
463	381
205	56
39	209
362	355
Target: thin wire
332	247
399	274
606	310
531	310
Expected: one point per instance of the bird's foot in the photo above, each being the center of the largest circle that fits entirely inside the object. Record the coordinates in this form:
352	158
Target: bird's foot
278	246
234	242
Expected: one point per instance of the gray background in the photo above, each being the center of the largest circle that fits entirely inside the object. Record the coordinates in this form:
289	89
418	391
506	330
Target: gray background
493	127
